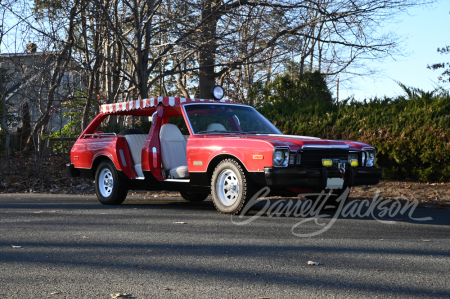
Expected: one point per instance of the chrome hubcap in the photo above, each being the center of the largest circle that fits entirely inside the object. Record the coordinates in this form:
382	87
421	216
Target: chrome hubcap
105	182
227	187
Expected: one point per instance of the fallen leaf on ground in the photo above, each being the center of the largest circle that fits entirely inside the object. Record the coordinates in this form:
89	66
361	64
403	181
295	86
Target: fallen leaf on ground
166	289
313	263
120	295
54	293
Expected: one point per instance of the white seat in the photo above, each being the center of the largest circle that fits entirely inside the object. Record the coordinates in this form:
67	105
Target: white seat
216	127
135	144
173	151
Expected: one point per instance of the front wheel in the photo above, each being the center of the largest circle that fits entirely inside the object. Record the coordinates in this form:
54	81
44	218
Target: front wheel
193	197
110	189
231	189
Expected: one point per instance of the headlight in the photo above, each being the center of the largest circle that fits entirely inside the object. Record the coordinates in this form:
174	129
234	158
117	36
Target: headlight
280	157
370	155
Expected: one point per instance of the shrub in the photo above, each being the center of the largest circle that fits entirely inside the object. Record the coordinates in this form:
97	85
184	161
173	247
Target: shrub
411	132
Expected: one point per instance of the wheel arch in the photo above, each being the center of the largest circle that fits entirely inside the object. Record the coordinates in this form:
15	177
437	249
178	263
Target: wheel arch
99	159
217	159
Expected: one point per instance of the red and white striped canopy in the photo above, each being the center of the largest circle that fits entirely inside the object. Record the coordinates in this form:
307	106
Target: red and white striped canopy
150	102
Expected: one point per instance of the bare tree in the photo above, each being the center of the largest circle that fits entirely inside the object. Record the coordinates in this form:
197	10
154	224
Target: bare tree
131	48
344	30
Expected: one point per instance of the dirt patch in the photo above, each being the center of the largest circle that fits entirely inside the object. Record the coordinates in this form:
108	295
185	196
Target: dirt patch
429	194
32	175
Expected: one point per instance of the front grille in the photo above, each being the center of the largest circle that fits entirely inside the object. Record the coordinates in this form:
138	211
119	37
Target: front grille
313	157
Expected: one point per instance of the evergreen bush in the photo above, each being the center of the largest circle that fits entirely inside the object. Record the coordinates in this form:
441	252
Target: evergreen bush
411	132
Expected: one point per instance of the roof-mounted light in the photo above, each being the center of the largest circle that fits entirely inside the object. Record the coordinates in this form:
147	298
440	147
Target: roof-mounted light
217	92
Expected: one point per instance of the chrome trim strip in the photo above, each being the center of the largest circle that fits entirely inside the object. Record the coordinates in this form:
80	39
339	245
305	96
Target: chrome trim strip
101	135
293	136
178	180
326	146
155	157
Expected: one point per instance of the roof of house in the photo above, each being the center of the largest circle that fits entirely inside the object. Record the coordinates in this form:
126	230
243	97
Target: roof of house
12	55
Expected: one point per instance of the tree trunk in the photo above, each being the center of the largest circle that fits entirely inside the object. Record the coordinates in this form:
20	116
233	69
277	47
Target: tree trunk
26	123
207	56
5	127
142	48
93	74
181	85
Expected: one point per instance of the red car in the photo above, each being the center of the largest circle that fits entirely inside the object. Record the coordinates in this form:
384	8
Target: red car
229	150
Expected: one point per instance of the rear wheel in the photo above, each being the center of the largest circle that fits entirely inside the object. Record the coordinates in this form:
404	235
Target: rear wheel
231	188
110	189
194	197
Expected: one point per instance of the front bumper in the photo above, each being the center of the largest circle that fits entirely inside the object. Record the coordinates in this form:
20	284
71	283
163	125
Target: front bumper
316	178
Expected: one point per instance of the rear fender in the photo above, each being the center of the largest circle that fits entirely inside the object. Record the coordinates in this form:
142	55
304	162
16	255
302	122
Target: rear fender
121	158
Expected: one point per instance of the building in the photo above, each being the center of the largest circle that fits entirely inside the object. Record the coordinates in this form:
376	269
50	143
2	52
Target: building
26	79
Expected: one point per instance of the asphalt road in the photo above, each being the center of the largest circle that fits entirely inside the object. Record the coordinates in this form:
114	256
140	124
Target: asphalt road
58	246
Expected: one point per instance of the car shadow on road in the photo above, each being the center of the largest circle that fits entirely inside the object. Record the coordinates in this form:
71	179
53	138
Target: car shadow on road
353	208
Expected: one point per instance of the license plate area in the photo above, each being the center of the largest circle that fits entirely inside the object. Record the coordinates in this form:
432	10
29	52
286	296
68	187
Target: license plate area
335	183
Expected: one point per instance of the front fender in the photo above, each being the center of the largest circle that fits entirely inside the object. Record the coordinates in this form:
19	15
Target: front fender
254	155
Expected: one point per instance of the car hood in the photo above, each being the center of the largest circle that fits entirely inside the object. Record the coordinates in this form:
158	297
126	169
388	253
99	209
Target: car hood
297	142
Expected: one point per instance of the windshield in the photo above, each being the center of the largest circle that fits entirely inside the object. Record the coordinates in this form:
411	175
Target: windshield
219	118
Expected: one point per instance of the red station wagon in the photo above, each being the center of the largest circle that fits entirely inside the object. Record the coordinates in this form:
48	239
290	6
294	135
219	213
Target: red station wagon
231	152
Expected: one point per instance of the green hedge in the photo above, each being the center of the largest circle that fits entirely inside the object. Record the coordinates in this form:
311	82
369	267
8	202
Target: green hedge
411	132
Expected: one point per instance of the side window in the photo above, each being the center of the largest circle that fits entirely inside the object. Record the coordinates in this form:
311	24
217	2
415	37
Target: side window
180	123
